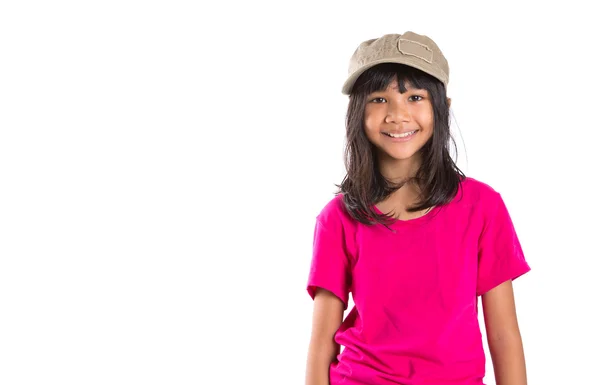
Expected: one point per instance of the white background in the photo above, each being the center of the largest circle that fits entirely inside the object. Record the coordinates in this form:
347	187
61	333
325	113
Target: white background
162	164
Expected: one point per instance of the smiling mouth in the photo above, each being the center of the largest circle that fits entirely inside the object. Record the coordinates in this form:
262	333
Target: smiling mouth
404	135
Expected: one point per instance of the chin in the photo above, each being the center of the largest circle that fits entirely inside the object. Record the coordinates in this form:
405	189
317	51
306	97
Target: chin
402	156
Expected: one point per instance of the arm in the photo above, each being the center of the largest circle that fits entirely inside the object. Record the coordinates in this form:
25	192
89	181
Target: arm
327	317
503	335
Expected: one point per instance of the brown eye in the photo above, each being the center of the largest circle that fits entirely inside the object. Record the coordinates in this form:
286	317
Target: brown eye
416	96
376	100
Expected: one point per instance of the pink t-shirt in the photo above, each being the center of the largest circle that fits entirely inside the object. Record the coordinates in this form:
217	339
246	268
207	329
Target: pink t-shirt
415	291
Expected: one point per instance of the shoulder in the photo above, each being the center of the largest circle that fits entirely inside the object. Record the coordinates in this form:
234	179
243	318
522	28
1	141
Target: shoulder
486	201
481	192
334	211
335	223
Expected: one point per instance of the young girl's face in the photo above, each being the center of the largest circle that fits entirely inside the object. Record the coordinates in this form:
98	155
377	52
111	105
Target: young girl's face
392	112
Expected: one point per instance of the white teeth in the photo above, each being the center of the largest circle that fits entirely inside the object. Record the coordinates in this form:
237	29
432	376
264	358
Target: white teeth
402	135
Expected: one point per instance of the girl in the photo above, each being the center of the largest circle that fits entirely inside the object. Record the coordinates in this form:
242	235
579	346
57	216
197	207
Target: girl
413	239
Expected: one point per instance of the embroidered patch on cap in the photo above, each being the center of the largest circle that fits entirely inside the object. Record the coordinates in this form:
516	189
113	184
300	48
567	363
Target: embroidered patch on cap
413	48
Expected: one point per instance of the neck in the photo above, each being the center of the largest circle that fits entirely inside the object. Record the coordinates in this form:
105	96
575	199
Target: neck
400	170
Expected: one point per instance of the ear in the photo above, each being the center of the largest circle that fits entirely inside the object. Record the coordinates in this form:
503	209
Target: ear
449	102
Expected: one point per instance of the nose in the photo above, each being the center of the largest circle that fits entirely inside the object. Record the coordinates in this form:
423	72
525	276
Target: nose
397	112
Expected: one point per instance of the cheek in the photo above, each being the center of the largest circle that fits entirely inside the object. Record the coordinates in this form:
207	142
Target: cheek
373	117
426	120
369	122
429	123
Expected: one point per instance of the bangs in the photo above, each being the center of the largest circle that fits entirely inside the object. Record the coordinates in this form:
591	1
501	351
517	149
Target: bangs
379	77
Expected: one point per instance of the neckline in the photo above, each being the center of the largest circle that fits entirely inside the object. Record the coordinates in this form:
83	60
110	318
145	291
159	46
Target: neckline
431	213
408	222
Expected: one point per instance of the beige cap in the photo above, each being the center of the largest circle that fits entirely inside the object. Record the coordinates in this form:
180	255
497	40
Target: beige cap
411	49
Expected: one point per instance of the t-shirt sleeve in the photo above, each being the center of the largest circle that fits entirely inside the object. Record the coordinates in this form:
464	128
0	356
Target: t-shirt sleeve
500	254
330	265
